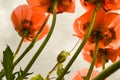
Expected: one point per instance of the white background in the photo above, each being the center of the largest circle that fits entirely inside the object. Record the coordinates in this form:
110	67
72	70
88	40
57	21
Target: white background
62	39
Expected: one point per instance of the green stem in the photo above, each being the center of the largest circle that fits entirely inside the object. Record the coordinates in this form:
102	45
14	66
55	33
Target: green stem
108	71
94	59
32	43
19	46
82	44
90	1
74	46
41	47
47	77
103	61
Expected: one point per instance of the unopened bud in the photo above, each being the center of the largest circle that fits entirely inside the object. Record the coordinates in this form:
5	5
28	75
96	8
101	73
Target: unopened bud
62	56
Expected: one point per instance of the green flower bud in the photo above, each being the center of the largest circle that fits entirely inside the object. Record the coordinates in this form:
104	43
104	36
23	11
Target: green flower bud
62	56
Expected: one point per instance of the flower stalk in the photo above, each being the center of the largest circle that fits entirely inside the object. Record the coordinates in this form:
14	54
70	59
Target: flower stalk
74	46
50	72
108	71
19	46
103	61
32	43
82	44
41	47
94	59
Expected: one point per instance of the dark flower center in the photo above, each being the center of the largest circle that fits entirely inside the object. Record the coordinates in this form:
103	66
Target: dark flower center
26	23
101	52
25	30
106	36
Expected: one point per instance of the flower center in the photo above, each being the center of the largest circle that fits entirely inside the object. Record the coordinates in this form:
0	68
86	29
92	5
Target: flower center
108	36
105	35
26	23
85	26
101	52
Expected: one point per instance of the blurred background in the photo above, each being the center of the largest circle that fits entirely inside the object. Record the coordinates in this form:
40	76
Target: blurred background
62	39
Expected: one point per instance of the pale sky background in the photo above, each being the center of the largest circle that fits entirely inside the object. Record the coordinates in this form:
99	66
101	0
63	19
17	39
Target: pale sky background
61	39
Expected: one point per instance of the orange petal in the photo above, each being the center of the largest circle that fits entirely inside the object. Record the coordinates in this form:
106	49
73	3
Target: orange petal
87	5
66	6
81	24
38	19
41	5
20	13
87	57
108	18
77	76
44	32
112	4
24	18
83	72
113	54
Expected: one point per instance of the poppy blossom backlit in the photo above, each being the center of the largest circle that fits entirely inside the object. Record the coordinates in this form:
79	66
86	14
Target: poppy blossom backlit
105	54
106	4
44	5
106	26
27	22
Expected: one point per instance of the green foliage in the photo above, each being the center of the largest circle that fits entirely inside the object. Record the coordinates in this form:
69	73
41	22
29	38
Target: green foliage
60	70
1	74
37	77
21	73
8	63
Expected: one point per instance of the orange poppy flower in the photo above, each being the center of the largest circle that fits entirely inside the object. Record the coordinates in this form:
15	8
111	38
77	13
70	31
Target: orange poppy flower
26	20
44	5
106	26
105	54
106	4
80	74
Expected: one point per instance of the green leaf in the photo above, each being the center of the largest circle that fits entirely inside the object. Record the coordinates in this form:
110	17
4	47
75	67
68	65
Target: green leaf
8	63
1	74
37	77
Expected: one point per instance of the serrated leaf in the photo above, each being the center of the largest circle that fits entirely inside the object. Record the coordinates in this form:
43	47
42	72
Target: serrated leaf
37	77
8	63
1	74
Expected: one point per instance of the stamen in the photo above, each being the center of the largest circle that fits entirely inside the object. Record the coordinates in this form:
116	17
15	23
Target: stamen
109	36
85	26
26	23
